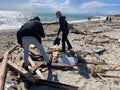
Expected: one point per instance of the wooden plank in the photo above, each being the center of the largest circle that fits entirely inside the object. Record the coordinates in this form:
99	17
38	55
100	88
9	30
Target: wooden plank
22	71
109	75
115	66
38	81
3	70
34	52
3	67
39	74
53	65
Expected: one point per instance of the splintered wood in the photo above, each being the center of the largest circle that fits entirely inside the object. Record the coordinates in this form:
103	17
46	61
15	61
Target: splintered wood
3	66
10	57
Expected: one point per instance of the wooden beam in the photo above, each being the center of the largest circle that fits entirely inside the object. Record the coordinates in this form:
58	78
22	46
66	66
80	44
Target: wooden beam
22	71
39	74
34	52
3	66
109	75
42	63
38	81
3	70
115	66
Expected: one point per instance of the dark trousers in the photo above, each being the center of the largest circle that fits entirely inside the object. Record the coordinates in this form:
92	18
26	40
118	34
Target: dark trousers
65	39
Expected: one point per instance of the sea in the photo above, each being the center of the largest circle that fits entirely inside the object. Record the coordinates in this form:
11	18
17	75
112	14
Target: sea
15	19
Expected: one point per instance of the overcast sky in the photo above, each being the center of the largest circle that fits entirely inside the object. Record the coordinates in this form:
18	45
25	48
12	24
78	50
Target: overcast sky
66	6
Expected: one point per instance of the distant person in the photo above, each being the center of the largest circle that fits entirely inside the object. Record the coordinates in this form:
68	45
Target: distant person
110	19
107	18
89	18
64	29
31	33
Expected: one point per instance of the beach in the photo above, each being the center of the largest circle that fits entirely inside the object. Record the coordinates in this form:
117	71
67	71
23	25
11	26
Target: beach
85	37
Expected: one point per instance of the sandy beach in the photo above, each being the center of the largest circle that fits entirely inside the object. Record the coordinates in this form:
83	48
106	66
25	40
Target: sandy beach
86	38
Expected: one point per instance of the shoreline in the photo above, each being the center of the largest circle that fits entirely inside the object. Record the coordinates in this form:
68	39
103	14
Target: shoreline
107	38
70	22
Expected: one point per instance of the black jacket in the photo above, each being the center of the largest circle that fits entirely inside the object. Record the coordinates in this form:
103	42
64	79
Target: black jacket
31	28
63	25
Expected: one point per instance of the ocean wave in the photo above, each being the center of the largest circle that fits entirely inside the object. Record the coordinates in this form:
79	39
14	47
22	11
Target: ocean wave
14	19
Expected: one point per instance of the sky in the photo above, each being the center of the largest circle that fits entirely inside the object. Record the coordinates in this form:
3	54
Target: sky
65	6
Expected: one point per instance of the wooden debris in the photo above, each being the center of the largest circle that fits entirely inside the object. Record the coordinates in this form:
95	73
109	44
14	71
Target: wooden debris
55	54
109	75
114	66
34	52
51	35
53	65
29	76
104	80
96	62
37	71
95	31
95	69
3	66
22	71
79	32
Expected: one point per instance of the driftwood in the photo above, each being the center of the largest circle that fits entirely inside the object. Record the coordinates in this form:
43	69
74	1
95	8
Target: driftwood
99	71
48	39
22	71
79	32
36	71
4	66
29	76
95	69
34	52
109	75
42	64
114	66
100	76
95	31
96	62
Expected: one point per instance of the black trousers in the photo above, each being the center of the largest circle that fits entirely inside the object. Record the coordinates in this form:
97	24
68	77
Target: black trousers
65	40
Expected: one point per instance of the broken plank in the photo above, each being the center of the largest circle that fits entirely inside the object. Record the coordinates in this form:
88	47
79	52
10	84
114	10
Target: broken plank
109	75
104	80
35	80
22	71
96	62
115	66
53	65
3	66
34	52
36	71
3	70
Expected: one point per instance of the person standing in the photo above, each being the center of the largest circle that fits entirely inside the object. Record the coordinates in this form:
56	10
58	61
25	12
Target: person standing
64	29
31	33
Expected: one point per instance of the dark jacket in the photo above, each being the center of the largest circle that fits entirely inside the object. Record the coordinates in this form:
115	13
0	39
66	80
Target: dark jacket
31	28
63	25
